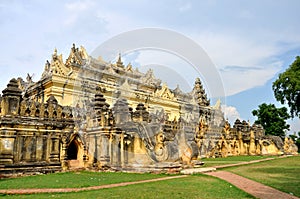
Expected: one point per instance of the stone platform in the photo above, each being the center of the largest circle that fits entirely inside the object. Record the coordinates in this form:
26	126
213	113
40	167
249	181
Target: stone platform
197	170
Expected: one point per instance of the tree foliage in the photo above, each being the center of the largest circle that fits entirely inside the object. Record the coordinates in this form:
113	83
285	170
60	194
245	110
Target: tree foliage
287	88
272	119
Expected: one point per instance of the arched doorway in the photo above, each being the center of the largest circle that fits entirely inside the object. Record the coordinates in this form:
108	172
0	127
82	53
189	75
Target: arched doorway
72	150
75	153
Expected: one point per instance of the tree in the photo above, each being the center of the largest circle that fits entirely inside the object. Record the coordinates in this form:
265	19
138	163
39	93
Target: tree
287	88
272	119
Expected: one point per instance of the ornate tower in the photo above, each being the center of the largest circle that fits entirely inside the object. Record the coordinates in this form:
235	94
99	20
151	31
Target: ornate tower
119	62
199	94
11	98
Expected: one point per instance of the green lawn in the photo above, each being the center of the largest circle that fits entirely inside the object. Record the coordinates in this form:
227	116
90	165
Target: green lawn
73	179
210	162
195	186
282	173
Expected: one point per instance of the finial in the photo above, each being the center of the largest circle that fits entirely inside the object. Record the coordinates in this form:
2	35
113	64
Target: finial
119	58
119	62
54	56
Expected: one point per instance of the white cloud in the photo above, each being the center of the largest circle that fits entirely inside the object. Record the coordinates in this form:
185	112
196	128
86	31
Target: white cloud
230	113
227	48
170	68
238	79
243	64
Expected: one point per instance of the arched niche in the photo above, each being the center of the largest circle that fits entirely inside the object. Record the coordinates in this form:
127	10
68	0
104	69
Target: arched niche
75	152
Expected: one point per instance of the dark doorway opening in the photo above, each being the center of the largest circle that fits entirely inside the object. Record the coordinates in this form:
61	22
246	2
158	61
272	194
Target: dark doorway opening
72	151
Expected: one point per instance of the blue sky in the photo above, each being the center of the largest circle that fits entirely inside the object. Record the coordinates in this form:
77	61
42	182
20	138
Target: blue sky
250	42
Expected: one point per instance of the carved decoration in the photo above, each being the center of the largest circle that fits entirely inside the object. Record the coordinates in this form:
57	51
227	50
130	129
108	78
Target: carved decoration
76	57
56	66
109	69
160	149
165	93
129	68
150	79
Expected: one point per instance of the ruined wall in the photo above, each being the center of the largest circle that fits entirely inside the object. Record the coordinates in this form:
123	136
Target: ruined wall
241	139
31	132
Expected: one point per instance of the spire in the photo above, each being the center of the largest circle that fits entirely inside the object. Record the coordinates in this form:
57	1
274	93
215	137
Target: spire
119	62
218	104
100	101
12	89
54	55
75	57
177	90
199	93
11	98
73	48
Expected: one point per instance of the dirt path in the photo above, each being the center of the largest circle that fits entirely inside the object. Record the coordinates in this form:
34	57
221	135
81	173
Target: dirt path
65	190
254	188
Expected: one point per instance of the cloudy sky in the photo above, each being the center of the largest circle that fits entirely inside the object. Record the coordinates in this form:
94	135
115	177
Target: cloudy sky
249	42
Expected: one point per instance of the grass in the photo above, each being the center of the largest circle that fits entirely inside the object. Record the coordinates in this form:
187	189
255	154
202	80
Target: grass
232	160
195	186
282	173
85	178
73	179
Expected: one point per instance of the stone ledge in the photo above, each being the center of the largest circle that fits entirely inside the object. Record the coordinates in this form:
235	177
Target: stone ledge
197	170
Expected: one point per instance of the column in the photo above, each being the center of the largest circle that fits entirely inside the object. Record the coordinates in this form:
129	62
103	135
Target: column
105	148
